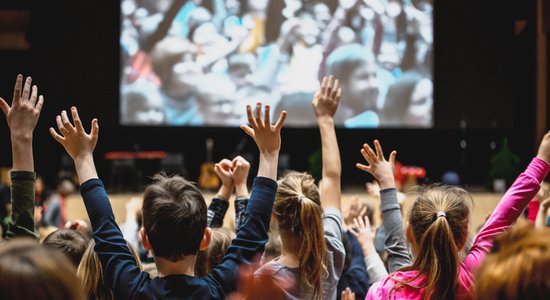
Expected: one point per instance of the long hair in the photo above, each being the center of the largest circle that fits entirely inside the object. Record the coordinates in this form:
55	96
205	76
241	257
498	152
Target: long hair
518	266
439	220
299	214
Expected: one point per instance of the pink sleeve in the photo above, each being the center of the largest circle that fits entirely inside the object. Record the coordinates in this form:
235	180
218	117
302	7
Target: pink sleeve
507	211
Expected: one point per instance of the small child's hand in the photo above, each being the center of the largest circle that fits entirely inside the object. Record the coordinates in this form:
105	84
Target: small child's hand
224	170
378	166
544	148
25	108
240	174
364	234
325	102
266	135
74	139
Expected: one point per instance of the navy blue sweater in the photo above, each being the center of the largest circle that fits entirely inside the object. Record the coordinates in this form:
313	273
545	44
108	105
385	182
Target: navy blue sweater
123	275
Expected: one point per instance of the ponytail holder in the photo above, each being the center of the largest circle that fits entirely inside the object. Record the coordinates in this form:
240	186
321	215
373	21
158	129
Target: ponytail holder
441	214
300	197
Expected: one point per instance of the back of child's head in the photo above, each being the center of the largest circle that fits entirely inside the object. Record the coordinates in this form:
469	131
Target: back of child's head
69	242
174	217
299	215
518	266
438	222
210	258
29	270
90	274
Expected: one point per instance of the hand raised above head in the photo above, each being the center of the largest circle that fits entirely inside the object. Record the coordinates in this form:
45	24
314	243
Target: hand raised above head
266	135
74	138
240	170
224	170
326	100
25	108
544	148
378	166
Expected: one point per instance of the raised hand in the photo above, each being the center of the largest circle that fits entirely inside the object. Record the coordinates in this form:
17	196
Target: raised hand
25	108
348	294
544	148
224	170
378	166
355	209
266	135
240	174
325	102
74	139
364	234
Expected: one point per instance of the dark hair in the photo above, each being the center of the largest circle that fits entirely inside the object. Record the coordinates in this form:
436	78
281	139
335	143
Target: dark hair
32	271
174	216
68	241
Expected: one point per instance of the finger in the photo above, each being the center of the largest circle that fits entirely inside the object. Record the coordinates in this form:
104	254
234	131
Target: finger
335	89
95	131
258	113
34	95
40	103
267	118
281	120
17	89
370	152
225	163
60	126
26	89
5	107
251	119
354	232
362	167
367	157
56	136
367	222
76	120
249	131
66	123
324	86
329	86
379	152
393	154
363	211
338	95
361	222
356	222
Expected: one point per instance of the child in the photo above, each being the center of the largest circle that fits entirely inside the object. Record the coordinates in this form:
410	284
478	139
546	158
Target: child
174	219
311	229
438	229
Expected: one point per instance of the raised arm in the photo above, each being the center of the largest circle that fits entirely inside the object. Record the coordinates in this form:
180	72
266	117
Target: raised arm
382	170
516	198
22	118
241	167
220	203
78	144
365	236
325	102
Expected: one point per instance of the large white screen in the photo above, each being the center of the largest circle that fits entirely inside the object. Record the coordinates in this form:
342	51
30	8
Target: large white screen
198	63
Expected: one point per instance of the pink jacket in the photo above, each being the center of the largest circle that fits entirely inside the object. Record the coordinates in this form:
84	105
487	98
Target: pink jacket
507	211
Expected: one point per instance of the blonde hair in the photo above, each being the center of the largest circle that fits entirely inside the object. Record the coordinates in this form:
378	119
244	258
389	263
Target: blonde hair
210	258
438	221
90	274
518	266
299	214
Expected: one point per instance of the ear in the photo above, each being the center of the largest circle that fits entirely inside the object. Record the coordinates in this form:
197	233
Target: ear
145	239
206	239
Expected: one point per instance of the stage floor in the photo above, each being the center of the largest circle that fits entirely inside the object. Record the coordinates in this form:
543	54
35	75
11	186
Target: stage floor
484	203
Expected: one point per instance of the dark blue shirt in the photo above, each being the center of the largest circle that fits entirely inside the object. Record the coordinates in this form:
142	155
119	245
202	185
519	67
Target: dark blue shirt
123	275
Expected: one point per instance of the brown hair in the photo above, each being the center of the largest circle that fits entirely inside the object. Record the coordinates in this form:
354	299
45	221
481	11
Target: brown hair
29	270
210	258
90	274
70	242
174	217
518	266
439	220
299	214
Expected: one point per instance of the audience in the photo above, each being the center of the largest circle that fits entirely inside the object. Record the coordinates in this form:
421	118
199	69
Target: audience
308	251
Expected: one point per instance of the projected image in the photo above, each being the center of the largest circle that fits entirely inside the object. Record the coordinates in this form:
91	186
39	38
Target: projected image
198	63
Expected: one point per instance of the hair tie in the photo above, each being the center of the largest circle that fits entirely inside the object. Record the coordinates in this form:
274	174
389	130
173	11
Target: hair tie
300	197
441	214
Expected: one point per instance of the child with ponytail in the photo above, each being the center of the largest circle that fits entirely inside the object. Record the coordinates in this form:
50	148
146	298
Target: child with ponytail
437	230
309	218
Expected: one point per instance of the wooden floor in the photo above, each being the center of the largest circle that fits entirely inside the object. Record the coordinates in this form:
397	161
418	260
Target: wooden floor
484	203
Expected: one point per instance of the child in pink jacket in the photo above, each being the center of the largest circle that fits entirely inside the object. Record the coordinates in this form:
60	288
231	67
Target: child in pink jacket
437	231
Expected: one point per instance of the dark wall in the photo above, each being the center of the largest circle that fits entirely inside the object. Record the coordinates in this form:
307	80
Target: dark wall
484	91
